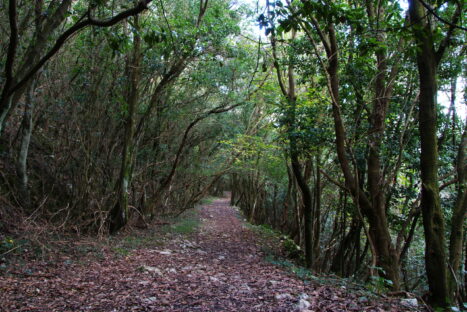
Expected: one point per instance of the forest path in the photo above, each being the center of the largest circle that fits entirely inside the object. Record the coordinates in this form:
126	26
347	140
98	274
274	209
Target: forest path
218	268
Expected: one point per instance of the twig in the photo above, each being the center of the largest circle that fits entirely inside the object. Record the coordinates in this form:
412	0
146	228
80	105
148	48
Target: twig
334	181
8	251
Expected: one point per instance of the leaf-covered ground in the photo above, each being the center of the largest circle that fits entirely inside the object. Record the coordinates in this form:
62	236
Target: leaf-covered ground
221	267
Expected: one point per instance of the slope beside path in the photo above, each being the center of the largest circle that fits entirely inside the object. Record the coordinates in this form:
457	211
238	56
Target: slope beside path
219	268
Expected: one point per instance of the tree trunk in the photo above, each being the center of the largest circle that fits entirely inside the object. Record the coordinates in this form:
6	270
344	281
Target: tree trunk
433	220
274	208
287	201
119	214
307	209
26	131
458	220
374	210
233	189
317	212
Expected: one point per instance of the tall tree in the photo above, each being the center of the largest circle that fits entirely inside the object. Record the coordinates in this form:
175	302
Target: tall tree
428	59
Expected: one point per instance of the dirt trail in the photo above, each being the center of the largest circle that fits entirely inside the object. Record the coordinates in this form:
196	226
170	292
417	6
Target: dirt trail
220	268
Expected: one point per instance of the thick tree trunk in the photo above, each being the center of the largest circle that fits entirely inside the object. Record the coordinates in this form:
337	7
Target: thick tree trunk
433	220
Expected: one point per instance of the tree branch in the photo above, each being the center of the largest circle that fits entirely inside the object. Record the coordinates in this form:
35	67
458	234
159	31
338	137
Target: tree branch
450	23
342	186
10	60
447	39
141	6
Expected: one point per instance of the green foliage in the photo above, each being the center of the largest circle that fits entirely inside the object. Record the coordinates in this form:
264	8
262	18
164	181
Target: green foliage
185	227
82	96
299	271
122	252
292	250
7	244
379	284
207	200
185	224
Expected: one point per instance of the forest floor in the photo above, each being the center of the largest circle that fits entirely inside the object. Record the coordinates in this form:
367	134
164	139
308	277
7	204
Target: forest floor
220	266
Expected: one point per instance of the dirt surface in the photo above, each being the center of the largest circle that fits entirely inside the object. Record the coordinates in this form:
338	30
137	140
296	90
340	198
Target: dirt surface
219	268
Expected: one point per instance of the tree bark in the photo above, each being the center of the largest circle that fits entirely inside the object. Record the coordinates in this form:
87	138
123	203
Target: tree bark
119	214
25	134
433	220
374	210
317	212
458	219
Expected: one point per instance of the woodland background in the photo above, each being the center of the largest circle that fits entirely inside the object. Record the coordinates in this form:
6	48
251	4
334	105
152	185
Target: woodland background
325	127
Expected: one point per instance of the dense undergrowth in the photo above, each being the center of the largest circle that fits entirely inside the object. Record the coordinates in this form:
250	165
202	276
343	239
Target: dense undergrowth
20	249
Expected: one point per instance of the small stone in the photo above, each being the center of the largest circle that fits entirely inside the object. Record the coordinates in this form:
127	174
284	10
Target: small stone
411	302
151	269
304	296
363	299
283	296
165	252
303	305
